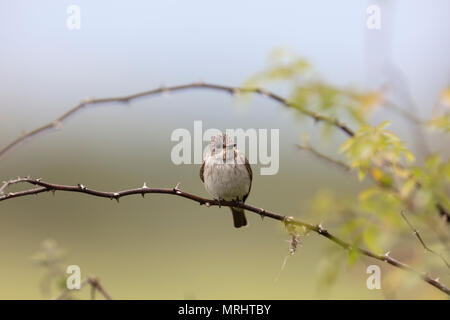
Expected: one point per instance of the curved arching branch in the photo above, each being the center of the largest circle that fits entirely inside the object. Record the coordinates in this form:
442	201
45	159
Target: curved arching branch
41	186
197	85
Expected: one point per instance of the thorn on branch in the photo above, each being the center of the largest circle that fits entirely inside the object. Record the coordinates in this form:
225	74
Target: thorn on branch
165	91
321	229
290	223
262	213
176	189
263	91
316	120
86	101
287	220
57	124
144	187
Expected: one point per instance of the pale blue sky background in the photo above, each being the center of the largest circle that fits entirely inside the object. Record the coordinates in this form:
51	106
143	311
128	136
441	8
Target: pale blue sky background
124	46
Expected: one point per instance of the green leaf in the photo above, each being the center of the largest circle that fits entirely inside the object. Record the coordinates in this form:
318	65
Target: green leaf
440	123
370	237
346	145
368	193
353	255
407	187
383	124
432	161
361	174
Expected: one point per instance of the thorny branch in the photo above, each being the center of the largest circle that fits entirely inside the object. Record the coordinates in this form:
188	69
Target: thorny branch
42	186
347	168
126	99
422	242
196	85
95	285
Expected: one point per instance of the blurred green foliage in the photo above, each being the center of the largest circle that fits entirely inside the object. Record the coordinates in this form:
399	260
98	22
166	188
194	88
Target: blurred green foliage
309	92
50	257
440	123
397	184
374	145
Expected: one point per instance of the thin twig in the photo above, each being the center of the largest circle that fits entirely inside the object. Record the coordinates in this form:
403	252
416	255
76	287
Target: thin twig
320	155
441	210
93	288
45	187
347	168
6	184
164	90
126	99
419	237
94	284
407	115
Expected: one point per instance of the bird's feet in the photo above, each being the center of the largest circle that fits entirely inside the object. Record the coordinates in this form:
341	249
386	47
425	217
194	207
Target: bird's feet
237	201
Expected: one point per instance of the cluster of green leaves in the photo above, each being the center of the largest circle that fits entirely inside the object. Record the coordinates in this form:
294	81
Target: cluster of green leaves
283	66
375	146
310	92
434	180
372	219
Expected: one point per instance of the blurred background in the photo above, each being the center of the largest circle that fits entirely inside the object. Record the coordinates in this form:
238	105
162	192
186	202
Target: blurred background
163	247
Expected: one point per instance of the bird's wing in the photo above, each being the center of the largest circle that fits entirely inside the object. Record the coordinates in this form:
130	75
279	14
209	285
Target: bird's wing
250	173
201	171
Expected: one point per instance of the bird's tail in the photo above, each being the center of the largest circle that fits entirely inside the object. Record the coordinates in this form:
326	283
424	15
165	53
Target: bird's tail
239	218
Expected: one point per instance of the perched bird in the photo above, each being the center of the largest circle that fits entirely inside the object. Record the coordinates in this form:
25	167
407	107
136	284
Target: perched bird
227	175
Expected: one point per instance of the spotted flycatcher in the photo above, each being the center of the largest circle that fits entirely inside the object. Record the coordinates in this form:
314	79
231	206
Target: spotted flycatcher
227	175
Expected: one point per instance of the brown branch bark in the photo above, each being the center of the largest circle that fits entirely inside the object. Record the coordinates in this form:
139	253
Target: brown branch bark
197	85
96	286
42	186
